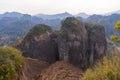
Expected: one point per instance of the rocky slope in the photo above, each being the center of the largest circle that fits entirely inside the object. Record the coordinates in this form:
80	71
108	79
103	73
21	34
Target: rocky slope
76	42
32	68
61	71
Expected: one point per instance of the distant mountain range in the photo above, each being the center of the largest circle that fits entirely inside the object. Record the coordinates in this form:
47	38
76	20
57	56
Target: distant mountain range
114	12
83	15
14	25
54	16
11	14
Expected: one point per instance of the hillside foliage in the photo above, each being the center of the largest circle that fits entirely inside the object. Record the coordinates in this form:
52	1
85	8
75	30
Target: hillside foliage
108	70
38	29
11	63
72	24
114	37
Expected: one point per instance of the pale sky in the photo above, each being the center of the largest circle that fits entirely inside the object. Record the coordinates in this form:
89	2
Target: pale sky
59	6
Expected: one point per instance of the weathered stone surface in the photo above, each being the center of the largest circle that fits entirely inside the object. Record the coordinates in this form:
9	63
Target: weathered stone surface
39	44
96	42
72	41
81	44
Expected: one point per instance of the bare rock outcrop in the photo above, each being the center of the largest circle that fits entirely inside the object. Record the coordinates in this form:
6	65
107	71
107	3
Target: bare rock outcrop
96	42
81	44
72	42
39	44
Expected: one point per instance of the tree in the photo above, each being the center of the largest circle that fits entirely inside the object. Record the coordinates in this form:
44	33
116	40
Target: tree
11	63
114	37
117	25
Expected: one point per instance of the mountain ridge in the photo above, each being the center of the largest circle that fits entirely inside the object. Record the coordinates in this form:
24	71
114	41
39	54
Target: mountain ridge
13	27
57	15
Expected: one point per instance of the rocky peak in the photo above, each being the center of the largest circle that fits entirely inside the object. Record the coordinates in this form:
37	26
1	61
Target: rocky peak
39	29
96	42
81	44
72	25
72	41
39	44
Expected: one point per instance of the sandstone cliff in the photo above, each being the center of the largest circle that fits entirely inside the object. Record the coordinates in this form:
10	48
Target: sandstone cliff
72	42
81	44
96	42
39	44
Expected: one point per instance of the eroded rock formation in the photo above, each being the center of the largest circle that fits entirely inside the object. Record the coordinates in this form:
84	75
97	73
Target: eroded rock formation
39	44
96	42
72	41
76	42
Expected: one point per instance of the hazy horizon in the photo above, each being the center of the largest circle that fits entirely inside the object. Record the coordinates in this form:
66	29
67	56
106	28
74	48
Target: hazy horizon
60	6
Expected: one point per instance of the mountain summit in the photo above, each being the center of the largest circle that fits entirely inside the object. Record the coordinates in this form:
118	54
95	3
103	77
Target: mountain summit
83	15
54	16
11	14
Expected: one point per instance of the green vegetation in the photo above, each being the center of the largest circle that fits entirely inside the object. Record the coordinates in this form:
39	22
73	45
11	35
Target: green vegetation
94	28
38	29
117	25
72	24
108	70
11	63
113	37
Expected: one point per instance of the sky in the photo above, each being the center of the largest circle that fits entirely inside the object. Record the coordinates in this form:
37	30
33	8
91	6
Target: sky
59	6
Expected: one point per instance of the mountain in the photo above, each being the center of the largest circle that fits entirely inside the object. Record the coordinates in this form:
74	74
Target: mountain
83	15
11	14
114	12
14	25
54	16
107	21
76	42
47	53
